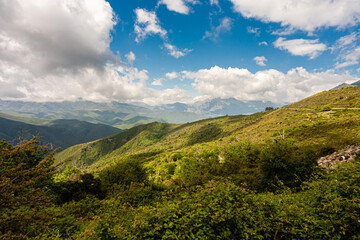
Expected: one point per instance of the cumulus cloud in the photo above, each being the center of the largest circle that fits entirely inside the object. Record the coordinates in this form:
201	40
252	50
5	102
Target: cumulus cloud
157	82
175	52
168	96
52	36
147	23
114	82
60	50
301	47
130	57
224	26
302	14
172	75
179	6
260	60
267	85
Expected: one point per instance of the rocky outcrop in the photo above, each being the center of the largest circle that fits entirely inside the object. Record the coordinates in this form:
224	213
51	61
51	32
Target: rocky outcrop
347	154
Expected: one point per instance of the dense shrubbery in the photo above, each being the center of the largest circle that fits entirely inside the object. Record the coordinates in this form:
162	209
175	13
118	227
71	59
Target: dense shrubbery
244	191
326	208
261	167
124	173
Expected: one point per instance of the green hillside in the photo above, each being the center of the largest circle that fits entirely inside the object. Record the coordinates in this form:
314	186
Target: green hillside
233	177
330	118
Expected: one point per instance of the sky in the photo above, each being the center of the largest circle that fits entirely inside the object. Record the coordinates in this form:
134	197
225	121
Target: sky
166	51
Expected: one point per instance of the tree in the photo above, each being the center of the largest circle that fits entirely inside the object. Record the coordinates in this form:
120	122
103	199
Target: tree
25	171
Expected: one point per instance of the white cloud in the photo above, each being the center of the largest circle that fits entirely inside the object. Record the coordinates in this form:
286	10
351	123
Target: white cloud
301	47
302	14
260	60
224	26
157	82
263	43
113	82
175	52
346	40
147	23
60	50
351	58
179	6
348	50
172	75
285	31
167	96
267	85
130	57
255	31
53	36
214	2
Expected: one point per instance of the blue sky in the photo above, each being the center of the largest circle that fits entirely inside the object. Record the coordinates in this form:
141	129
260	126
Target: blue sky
164	51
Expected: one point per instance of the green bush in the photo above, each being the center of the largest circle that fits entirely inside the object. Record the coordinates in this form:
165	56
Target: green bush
85	186
326	108
124	173
281	162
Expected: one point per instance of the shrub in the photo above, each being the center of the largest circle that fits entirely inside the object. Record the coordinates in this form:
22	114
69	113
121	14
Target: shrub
124	173
282	162
326	108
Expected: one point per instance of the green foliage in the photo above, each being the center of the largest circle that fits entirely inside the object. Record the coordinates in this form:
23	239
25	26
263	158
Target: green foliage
25	174
25	170
240	156
205	134
79	188
124	173
198	180
198	168
281	162
325	108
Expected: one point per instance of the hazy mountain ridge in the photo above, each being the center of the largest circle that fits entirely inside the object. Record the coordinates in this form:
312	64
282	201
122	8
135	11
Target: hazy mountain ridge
124	116
55	133
121	115
217	107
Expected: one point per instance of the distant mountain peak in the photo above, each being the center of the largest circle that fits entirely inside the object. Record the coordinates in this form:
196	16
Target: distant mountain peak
343	85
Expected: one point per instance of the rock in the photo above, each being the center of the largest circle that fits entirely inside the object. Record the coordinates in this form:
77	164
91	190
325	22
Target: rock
347	154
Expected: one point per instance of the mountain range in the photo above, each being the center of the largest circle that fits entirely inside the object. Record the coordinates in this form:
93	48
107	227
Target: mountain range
124	116
54	133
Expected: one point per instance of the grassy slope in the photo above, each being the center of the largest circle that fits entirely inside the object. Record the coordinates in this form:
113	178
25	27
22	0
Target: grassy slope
307	121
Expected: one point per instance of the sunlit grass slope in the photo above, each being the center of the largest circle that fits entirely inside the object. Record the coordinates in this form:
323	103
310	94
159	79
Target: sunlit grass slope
330	118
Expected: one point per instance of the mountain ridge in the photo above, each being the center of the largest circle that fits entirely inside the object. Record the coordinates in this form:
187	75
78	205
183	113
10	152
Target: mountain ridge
326	117
54	133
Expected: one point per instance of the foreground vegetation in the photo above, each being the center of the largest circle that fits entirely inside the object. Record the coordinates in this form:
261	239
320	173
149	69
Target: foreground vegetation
235	177
292	200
